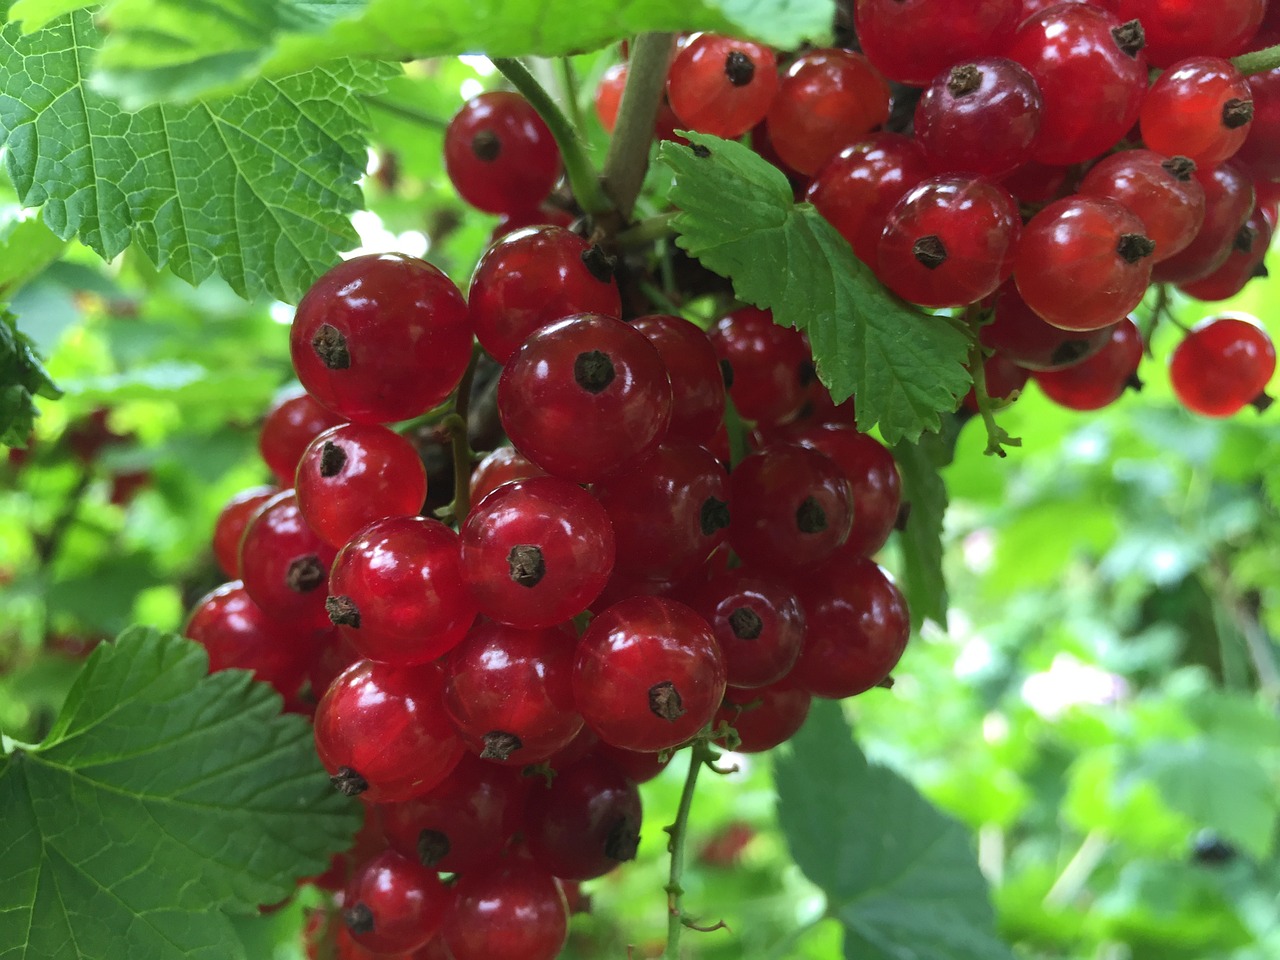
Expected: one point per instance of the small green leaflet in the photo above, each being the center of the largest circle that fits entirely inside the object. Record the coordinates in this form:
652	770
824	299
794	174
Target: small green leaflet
920	465
27	246
257	186
162	800
899	875
22	379
903	367
163	50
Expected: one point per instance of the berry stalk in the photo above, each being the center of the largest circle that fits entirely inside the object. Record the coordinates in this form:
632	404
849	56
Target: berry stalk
997	437
628	157
699	754
1258	61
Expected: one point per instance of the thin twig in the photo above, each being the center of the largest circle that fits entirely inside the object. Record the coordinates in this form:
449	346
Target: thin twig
700	753
628	157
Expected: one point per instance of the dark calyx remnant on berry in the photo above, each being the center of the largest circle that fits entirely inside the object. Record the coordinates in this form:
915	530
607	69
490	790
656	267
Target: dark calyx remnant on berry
332	459
1134	246
358	918
598	263
331	347
1245	238
499	745
593	371
349	783
665	701
433	846
810	517
745	623
486	146
1236	113
739	68
342	611
714	516
1181	168
525	564
1129	37
963	79
930	251
623	840
305	573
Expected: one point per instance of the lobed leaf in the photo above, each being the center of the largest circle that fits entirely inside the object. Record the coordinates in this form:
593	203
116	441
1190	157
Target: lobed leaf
920	466
22	379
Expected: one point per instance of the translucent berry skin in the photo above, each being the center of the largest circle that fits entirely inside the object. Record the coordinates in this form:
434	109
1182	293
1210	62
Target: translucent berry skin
1200	108
1163	191
461	825
1176	29
949	241
858	628
393	904
1221	365
501	466
585	397
980	117
769	366
537	552
1099	380
1072	265
792	507
499	154
609	98
912	40
720	85
668	513
1260	152
1017	332
294	419
380	338
397	592
697	382
354	474
385	728
648	674
543	216
534	277
229	527
1243	263
767	716
638	767
758	624
858	187
284	563
1229	199
826	100
509	692
873	477
1075	58
513	909
585	822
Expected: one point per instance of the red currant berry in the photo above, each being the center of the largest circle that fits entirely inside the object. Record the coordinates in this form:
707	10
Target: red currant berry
722	86
911	41
1260	153
758	624
1223	364
697	382
501	466
499	153
638	767
1176	29
393	904
585	822
1100	379
513	911
1017	332
292	422
1200	108
765	717
544	216
285	563
1229	199
609	99
1162	191
230	525
768	368
1243	263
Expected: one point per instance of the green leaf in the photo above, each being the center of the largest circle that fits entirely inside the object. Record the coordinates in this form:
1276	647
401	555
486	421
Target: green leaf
257	186
27	246
898	874
22	379
920	466
738	218
160	798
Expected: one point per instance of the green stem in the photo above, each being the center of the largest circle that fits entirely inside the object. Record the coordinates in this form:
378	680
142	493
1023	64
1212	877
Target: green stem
582	176
411	114
1258	61
996	436
628	157
569	80
700	754
646	231
460	444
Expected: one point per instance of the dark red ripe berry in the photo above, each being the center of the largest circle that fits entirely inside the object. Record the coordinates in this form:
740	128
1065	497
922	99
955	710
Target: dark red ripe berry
1017	332
765	717
292	422
1080	54
531	278
758	624
499	154
1229	199
1083	262
393	904
697	382
1100	379
858	187
669	512
585	822
1260	153
381	337
609	99
285	564
769	367
912	40
544	216
230	525
513	909
1223	364
383	734
722	86
792	507
1163	191
509	692
827	100
1199	108
501	466
397	592
1177	29
638	767
949	241
461	825
857	627
980	117
354	474
872	474
236	633
1243	263
537	552
585	397
1036	183
648	674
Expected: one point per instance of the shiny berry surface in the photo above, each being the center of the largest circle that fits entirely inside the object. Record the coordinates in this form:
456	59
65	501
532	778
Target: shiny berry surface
513	909
1162	190
499	153
229	527
912	40
293	420
1223	364
1100	379
585	822
393	904
769	367
721	85
501	466
765	717
1229	199
697	382
1177	29
284	563
381	337
1021	336
1243	263
1200	108
758	623
1260	152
